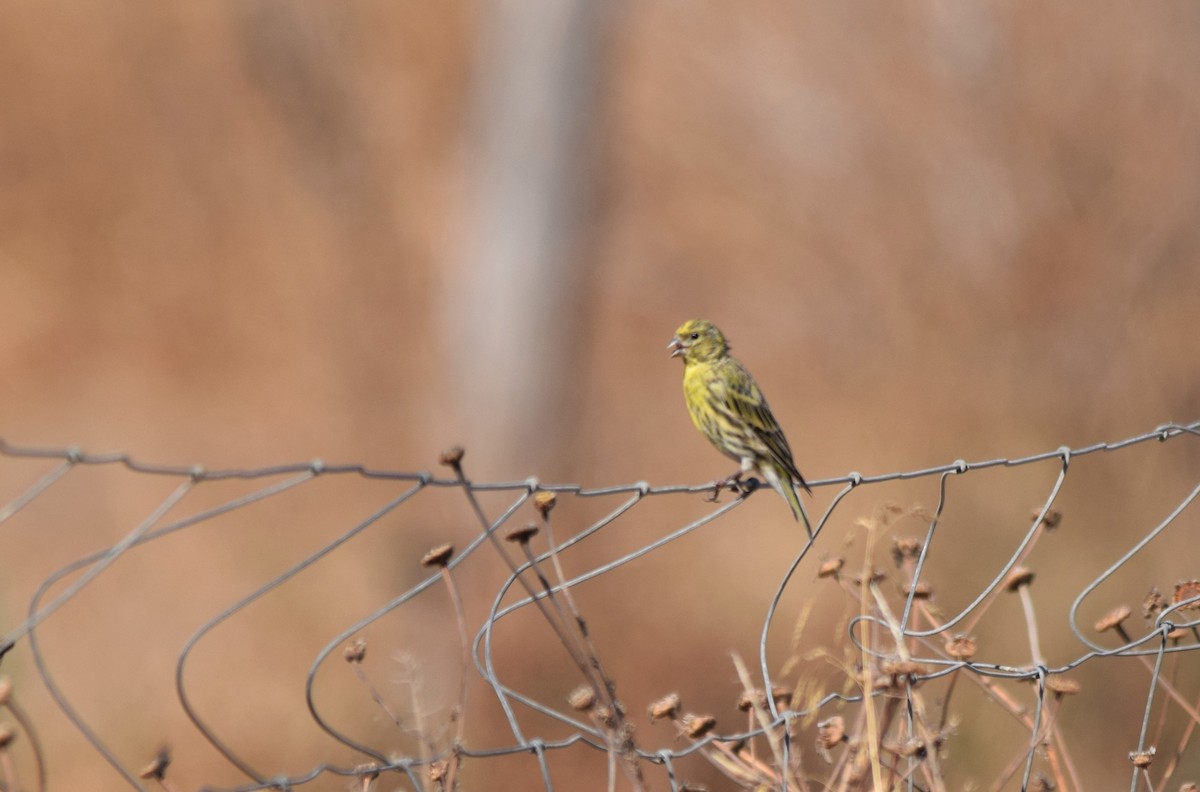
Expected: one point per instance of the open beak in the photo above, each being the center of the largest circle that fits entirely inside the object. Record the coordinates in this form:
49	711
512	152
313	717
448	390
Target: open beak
676	347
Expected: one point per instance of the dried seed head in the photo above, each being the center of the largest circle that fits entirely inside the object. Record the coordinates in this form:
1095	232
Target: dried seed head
831	732
625	737
912	747
438	556
582	698
875	576
1153	603
355	651
604	714
1051	520
1113	618
961	647
1062	686
696	726
438	770
1186	590
522	535
1142	759
1020	576
895	666
920	591
1040	783
751	698
830	567
665	707
905	547
544	501
157	768
782	696
6	689
452	456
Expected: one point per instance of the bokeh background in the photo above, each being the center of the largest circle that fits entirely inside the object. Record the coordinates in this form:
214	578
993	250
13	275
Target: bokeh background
245	233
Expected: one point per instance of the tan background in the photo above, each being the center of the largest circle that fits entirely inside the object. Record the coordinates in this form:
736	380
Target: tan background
247	233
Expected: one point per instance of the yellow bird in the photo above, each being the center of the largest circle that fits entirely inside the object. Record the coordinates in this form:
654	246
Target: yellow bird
729	409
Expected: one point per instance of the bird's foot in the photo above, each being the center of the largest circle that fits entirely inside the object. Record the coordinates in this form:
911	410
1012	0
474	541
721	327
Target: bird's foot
732	483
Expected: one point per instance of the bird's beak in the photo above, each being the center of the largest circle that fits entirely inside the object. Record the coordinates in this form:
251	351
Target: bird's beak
676	347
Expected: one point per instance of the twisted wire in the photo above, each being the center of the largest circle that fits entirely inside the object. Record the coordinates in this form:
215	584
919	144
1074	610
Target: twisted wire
512	701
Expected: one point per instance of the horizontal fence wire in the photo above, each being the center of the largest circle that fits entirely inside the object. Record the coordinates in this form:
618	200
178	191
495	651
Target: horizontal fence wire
535	582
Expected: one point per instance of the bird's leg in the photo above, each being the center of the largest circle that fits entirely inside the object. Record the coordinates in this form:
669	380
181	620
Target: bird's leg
733	483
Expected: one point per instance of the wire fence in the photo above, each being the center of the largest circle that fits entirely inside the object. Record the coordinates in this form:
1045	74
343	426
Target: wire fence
888	725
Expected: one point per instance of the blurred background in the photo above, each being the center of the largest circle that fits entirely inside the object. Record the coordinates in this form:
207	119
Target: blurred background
240	234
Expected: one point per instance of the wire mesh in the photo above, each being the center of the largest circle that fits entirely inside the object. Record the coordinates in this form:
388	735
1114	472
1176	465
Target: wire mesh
896	647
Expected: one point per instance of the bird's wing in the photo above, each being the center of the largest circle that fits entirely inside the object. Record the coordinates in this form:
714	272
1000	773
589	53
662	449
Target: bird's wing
742	396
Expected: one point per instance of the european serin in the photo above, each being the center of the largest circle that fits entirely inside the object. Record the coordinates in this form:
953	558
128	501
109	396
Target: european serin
729	409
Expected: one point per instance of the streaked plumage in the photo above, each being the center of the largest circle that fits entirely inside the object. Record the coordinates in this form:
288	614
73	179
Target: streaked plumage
729	409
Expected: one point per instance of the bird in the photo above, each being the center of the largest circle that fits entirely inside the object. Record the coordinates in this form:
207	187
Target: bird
729	409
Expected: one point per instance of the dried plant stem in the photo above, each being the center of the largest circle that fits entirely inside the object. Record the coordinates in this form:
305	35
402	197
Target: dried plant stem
1047	733
1060	760
427	750
1176	696
737	767
874	735
375	695
1193	712
617	735
1173	763
1035	647
764	722
947	697
1017	711
973	621
590	666
1009	770
460	715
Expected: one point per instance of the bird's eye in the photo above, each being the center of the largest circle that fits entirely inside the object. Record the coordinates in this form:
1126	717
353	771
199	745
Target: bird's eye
694	336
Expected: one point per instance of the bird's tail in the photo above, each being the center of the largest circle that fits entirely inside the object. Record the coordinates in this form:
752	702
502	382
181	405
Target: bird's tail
788	491
793	499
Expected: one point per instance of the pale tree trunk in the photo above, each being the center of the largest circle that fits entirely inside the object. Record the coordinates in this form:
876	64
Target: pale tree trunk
513	299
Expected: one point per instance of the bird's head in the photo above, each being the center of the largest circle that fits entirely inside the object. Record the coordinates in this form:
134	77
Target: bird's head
698	341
